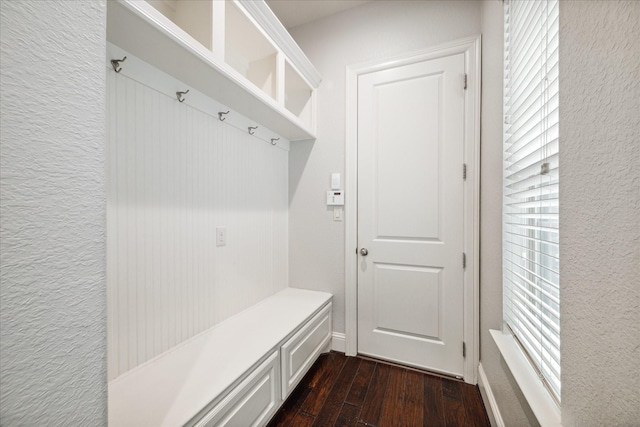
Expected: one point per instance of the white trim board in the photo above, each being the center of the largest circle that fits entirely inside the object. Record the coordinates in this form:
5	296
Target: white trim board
493	411
470	46
338	342
538	398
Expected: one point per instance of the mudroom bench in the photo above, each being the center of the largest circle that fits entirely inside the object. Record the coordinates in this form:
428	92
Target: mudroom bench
237	373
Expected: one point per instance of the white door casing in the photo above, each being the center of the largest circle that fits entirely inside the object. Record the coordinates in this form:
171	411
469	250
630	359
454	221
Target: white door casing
408	307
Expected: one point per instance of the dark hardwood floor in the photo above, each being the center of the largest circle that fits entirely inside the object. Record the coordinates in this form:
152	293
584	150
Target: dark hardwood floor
352	391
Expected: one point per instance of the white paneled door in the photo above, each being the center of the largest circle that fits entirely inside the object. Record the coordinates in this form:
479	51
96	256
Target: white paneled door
410	214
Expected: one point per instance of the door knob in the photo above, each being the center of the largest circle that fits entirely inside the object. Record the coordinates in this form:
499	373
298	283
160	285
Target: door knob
364	252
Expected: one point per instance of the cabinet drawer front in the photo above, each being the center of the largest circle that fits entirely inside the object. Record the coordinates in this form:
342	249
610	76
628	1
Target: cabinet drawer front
252	402
299	353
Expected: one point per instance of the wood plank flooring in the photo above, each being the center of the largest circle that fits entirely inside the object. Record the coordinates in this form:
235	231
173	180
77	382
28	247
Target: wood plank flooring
357	392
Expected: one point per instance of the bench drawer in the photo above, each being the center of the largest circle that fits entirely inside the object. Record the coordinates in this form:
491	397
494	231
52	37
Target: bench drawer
301	350
252	402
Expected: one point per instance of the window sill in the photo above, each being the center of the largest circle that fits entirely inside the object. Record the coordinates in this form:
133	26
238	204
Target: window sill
538	398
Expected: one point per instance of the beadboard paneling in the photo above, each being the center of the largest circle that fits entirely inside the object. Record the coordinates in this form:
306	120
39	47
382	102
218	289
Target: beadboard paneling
175	173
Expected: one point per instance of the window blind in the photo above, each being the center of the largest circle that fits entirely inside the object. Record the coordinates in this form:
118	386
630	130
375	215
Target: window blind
530	210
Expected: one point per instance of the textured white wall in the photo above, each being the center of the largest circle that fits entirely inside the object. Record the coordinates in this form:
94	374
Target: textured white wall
514	410
600	212
52	213
376	30
175	172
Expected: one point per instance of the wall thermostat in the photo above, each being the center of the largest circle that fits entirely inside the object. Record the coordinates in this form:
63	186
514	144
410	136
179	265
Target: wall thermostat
335	198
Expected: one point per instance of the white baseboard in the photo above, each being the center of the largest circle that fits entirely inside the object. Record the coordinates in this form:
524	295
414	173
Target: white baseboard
338	342
489	399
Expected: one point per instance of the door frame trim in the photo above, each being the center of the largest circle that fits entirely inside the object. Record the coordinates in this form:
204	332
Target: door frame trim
470	46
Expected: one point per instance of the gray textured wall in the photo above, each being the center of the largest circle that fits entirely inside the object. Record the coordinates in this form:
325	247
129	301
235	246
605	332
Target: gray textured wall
600	212
52	213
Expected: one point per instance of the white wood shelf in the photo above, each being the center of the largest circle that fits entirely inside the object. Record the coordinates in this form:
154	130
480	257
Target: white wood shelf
247	75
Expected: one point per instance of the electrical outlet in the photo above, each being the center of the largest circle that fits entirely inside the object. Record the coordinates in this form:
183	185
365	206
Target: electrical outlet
221	236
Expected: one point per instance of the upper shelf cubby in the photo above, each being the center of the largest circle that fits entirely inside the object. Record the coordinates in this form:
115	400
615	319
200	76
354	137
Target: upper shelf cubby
298	95
236	52
193	16
248	51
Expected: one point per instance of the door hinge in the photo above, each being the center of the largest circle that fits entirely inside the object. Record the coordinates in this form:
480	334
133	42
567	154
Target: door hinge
465	82
464	260
464	349
464	171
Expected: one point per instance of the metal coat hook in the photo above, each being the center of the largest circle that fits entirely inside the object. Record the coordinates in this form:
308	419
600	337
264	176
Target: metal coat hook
180	94
115	63
252	129
273	141
222	113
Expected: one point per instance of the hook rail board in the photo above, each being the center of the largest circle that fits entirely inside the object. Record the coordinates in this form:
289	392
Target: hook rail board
138	70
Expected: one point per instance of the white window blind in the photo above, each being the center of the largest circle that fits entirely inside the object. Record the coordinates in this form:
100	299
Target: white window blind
530	211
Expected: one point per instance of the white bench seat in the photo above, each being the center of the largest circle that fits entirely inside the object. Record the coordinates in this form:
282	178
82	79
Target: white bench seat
171	389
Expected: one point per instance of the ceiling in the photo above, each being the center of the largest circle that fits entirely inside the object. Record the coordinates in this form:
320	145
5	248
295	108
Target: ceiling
297	12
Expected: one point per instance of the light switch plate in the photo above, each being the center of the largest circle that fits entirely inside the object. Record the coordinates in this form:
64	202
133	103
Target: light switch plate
221	236
337	213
